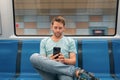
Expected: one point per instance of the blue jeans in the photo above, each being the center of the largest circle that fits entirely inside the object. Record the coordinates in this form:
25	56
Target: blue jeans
52	70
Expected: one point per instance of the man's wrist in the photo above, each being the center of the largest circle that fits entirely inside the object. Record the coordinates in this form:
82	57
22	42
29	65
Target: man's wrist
65	61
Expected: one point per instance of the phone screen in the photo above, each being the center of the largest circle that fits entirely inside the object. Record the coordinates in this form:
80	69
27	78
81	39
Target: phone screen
56	50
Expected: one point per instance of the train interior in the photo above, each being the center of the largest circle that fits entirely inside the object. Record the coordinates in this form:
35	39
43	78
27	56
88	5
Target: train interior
93	24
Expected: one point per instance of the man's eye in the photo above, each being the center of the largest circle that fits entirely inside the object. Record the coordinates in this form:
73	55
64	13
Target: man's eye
55	27
60	28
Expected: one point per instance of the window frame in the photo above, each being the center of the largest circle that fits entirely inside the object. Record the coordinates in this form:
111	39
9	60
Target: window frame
116	19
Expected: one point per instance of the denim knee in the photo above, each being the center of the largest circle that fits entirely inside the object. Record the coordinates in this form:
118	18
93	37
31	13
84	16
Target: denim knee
33	57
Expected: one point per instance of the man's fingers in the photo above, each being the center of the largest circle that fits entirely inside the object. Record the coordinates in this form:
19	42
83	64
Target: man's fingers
54	56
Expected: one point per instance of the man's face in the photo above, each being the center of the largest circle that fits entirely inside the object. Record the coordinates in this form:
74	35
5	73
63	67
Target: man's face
58	29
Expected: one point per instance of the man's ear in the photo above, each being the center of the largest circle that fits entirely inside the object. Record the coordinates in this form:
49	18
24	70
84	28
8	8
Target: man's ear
51	27
64	28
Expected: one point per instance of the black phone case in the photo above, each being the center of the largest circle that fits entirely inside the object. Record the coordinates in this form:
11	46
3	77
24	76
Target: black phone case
56	50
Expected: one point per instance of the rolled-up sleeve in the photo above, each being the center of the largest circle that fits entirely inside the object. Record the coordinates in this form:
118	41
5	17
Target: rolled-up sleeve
72	47
42	48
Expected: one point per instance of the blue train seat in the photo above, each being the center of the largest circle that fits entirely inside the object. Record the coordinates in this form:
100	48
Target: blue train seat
95	58
76	42
27	72
116	54
8	55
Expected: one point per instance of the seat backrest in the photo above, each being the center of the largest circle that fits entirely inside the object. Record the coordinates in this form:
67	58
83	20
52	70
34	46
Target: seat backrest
28	48
95	56
116	55
76	43
8	55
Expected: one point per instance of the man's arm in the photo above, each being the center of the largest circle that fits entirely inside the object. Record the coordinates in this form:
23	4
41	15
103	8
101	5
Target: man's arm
72	55
71	60
42	48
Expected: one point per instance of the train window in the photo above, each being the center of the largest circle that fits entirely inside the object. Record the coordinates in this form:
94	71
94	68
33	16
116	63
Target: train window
83	17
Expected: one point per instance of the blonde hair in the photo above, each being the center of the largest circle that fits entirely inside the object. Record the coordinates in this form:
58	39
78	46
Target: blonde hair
59	19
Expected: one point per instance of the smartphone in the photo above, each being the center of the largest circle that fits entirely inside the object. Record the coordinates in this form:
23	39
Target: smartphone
56	50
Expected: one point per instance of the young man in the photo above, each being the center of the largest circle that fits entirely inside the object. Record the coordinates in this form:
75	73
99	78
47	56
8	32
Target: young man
59	66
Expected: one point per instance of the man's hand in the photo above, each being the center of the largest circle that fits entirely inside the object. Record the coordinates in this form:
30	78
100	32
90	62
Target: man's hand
53	57
60	58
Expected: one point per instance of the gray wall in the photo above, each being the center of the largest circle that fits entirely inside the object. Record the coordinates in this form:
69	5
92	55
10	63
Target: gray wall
7	18
0	25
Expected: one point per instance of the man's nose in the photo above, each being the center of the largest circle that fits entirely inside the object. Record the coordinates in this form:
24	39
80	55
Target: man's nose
58	30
